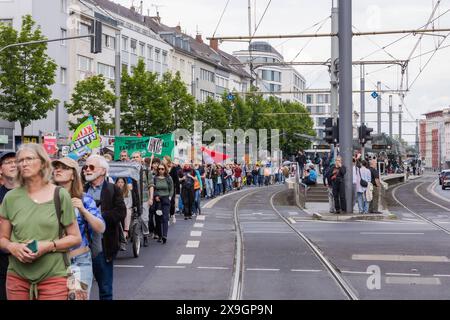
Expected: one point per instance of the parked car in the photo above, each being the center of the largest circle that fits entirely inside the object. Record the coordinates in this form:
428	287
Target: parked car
444	179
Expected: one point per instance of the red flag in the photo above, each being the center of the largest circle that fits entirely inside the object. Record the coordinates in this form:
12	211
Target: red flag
215	155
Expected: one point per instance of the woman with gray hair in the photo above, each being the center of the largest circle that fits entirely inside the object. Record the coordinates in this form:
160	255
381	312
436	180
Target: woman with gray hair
31	230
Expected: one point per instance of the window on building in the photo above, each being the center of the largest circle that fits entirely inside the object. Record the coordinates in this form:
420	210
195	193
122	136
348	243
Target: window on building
133	44
64	6
84	29
63	35
270	75
309	99
182	65
157	55
84	64
274	87
207	75
321	121
63	75
164	57
106	70
125	43
205	94
222	82
8	22
149	52
323	98
109	41
142	49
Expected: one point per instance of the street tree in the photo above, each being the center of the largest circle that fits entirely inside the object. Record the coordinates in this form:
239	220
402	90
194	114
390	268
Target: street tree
179	102
92	97
144	109
213	115
26	75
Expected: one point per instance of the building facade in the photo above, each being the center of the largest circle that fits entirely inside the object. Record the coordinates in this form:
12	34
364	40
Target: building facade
318	104
434	140
271	76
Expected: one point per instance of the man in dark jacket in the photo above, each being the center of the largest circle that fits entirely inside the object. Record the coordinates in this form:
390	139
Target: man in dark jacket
337	176
109	200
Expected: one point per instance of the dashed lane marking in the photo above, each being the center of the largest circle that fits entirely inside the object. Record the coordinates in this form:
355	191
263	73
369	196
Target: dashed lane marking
356	272
399	258
393	233
196	233
186	259
127	266
192	244
214	268
258	269
299	270
292	220
170	267
201	218
403	274
413	281
199	225
442	275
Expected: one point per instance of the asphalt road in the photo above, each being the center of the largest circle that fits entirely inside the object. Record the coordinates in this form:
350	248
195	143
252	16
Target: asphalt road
197	262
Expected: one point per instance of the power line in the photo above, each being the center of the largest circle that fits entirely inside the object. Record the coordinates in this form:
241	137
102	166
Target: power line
262	17
220	19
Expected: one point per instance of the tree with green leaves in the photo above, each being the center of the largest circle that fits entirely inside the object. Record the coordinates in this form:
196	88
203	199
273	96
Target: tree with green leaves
26	74
212	113
144	109
179	102
91	97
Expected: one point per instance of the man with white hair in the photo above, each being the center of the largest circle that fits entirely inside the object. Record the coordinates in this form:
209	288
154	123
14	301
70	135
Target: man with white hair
109	200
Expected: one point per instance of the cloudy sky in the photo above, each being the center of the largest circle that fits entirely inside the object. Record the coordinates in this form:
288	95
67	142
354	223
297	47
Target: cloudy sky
431	90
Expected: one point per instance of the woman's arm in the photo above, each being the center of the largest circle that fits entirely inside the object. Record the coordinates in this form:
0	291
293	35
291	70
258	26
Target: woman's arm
72	239
91	214
18	250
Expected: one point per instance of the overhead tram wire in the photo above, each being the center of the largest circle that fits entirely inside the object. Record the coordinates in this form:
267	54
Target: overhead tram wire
262	17
221	16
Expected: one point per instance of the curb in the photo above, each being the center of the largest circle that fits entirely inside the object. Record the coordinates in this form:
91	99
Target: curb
355	217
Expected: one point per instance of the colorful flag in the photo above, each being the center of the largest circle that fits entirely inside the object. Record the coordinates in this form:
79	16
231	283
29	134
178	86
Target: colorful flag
84	140
159	146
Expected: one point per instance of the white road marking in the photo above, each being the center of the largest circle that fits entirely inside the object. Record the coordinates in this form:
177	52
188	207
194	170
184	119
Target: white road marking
441	275
213	202
428	200
356	272
267	232
199	225
294	213
196	233
403	274
201	218
170	267
257	269
257	213
126	266
299	270
292	221
214	268
399	258
192	244
186	259
412	280
393	233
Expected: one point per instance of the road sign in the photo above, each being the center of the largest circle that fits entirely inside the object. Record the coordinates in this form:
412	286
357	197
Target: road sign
375	95
230	97
380	147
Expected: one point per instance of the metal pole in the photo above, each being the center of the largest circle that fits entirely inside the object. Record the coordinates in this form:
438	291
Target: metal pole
390	116
379	108
334	79
345	96
417	136
400	123
363	96
117	85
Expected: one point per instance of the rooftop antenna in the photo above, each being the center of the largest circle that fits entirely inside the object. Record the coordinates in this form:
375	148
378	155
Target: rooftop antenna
157	6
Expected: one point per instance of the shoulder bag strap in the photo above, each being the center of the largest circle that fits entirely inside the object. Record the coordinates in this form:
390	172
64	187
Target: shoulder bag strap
57	201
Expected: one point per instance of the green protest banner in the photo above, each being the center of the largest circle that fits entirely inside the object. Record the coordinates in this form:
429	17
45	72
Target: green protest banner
84	139
160	146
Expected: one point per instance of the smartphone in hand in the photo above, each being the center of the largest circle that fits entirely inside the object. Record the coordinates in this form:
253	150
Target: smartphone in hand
33	246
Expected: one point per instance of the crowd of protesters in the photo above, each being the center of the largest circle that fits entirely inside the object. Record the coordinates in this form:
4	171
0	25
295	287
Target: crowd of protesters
61	220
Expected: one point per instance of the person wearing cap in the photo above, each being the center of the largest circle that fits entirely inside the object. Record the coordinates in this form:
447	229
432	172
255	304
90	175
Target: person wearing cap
8	170
89	218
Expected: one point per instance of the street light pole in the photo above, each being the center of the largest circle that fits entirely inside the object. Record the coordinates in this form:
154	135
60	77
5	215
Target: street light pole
345	96
117	85
334	79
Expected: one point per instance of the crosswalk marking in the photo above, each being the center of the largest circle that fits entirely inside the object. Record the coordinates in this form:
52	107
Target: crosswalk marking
201	218
186	259
170	267
199	225
196	233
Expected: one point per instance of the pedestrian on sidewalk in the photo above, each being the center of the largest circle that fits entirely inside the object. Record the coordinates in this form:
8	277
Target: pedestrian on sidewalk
30	218
66	175
375	180
363	178
109	199
8	171
338	182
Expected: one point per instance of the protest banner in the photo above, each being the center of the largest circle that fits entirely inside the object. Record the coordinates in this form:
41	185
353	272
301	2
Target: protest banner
84	140
159	146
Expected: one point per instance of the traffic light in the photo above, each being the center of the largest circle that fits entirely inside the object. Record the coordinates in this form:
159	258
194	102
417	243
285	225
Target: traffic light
365	134
96	40
331	132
